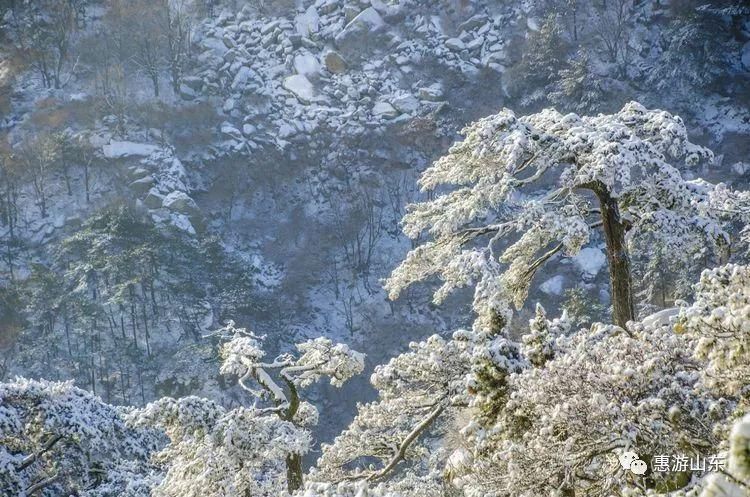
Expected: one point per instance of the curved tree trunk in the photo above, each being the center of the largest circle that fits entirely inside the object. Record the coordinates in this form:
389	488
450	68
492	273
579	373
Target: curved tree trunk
617	258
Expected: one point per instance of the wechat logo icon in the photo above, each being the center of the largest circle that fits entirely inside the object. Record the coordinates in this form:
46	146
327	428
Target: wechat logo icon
630	460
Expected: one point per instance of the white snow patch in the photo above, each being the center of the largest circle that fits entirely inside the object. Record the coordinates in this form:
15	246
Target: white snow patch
306	65
553	286
120	149
660	318
590	261
300	86
368	17
384	109
308	23
182	222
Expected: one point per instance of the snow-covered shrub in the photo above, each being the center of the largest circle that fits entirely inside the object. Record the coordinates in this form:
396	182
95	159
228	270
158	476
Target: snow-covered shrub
57	439
720	318
735	482
605	391
215	452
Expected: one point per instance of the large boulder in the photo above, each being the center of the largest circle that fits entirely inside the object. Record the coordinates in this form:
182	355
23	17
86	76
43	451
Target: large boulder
181	202
307	23
406	103
432	93
193	82
187	93
153	199
300	87
335	62
384	110
143	185
244	74
455	44
366	30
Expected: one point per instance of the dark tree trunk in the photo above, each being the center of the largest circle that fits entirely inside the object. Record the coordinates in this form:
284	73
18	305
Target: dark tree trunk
294	472
86	181
293	461
617	258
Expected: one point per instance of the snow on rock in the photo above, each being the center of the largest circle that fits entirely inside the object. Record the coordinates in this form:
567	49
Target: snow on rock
182	222
406	103
361	29
307	23
187	93
122	149
216	46
301	87
143	185
660	318
229	130
553	286
455	44
181	202
245	59
590	261
244	74
248	129
384	109
431	93
306	65
154	199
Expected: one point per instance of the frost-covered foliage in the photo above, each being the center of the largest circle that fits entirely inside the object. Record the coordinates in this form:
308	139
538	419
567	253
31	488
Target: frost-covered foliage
605	391
735	482
720	318
539	344
398	445
418	392
59	439
214	452
408	484
316	358
138	287
698	53
281	381
56	439
526	185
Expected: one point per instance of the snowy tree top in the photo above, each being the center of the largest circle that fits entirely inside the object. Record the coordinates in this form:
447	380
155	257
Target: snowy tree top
519	190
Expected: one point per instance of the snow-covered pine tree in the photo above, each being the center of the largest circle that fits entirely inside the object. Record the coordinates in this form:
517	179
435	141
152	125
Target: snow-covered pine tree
281	381
522	189
418	392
